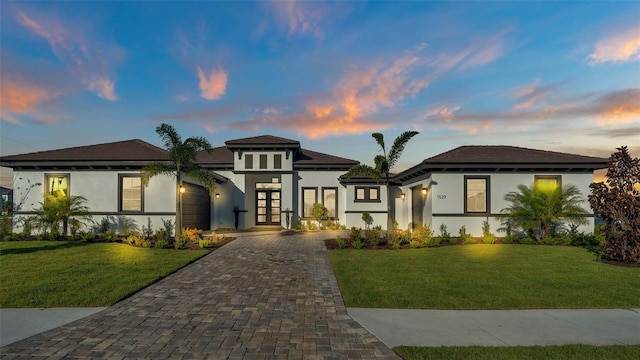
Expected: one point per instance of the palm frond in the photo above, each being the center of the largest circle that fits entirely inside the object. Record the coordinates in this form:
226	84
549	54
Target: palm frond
156	168
204	176
382	165
363	170
398	147
380	140
199	143
169	136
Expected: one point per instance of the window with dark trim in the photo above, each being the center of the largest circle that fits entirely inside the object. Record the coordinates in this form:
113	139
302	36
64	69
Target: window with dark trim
547	182
476	191
130	193
367	194
277	161
309	198
263	161
330	201
57	185
248	161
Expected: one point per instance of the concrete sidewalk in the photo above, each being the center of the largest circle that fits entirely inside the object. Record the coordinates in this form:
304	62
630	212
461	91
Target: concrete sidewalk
18	324
396	327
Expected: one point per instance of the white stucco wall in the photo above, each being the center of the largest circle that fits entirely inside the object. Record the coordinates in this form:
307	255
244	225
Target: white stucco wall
100	188
320	179
447	196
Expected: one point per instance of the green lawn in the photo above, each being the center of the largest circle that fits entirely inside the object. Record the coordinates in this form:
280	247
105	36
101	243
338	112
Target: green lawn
484	277
582	352
48	273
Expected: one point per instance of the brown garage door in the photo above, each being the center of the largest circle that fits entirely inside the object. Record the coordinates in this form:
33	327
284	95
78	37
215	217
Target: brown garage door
196	211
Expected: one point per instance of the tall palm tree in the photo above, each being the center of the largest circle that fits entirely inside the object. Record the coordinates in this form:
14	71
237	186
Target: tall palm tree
182	156
383	164
536	209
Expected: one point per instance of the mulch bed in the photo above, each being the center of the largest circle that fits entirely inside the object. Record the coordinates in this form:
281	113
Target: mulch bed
618	263
221	242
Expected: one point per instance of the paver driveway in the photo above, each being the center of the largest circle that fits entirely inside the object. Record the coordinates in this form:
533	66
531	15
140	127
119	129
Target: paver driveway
263	296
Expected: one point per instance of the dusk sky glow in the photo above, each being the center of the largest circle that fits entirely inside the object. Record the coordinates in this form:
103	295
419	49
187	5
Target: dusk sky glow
560	76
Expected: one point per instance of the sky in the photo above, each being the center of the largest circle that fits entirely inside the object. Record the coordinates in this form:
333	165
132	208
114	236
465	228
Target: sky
551	75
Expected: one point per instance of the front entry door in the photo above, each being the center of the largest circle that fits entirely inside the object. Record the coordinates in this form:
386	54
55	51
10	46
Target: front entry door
267	207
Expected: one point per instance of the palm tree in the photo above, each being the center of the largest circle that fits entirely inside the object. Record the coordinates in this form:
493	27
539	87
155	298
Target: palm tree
65	210
383	164
536	209
182	156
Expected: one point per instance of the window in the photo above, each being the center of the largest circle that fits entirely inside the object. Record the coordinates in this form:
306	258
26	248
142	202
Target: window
263	161
330	201
248	161
547	182
309	198
277	161
475	189
57	184
367	193
131	193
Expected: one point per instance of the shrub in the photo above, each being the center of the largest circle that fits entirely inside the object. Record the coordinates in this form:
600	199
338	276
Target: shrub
617	203
487	236
509	239
161	244
444	234
340	241
356	234
147	244
368	220
193	235
110	236
298	225
135	239
320	213
464	236
415	243
168	227
87	236
425	235
147	231
528	241
396	244
371	237
180	244
203	243
357	244
405	236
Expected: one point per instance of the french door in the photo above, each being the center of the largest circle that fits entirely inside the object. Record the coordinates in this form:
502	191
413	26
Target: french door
267	207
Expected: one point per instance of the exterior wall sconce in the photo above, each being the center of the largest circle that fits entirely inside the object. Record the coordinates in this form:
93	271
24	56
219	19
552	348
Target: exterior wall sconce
425	191
402	196
182	189
217	195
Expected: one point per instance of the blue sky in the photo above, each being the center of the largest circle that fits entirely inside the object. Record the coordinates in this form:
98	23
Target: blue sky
560	76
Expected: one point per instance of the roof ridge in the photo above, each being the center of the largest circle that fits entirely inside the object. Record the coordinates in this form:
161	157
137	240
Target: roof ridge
333	156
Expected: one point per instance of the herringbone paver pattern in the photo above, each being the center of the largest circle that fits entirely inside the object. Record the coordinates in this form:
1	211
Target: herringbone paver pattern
263	296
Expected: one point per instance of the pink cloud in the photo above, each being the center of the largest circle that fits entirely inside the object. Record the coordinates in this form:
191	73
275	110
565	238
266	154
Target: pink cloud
214	86
299	17
19	97
482	51
622	47
104	88
88	59
533	94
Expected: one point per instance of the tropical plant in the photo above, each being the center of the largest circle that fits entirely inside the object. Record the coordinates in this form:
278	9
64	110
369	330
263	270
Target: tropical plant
182	162
536	209
368	219
487	236
618	204
56	212
383	164
320	213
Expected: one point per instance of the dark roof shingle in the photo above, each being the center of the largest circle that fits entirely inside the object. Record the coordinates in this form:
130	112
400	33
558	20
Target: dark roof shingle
128	150
508	155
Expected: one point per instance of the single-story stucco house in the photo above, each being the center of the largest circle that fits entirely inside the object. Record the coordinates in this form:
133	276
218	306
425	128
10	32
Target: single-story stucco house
261	179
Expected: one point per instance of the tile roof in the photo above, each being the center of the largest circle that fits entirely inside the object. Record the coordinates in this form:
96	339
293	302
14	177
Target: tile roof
218	156
310	158
128	150
508	155
263	140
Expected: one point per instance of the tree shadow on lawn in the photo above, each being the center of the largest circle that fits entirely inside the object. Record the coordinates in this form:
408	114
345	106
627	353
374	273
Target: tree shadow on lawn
29	250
